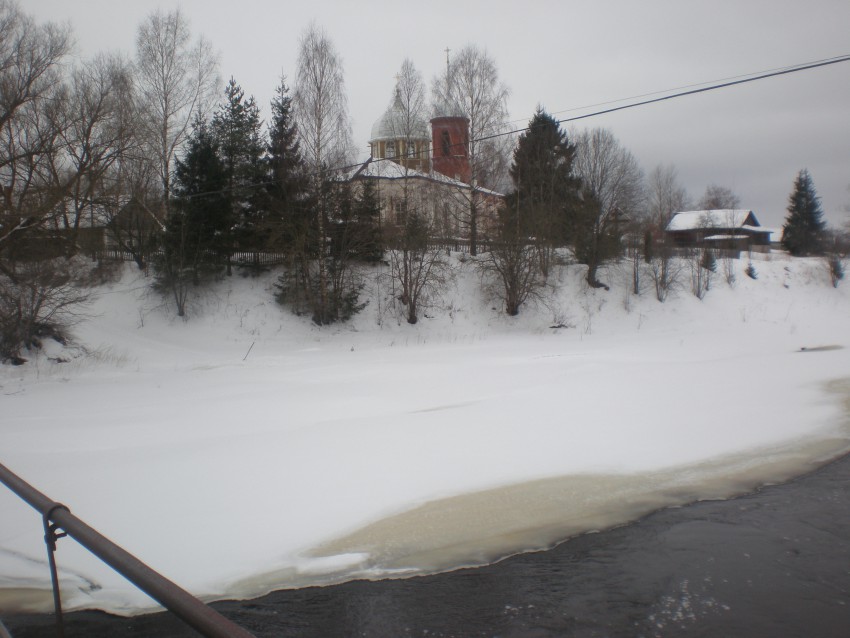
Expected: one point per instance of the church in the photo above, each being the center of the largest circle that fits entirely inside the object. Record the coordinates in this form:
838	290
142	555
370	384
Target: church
426	165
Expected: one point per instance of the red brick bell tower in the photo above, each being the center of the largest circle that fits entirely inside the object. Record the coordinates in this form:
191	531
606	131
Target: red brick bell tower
450	143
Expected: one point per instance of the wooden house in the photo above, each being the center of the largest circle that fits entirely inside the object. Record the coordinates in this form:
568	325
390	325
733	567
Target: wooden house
729	229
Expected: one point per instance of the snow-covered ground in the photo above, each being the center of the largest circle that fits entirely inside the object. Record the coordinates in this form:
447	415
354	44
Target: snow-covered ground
245	450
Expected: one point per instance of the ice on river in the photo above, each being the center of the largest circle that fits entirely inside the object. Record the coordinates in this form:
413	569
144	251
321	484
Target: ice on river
380	449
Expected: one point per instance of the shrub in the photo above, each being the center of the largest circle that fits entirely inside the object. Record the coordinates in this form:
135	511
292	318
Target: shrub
38	300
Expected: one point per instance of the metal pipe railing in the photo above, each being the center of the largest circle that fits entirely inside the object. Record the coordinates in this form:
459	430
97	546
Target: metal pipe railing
189	609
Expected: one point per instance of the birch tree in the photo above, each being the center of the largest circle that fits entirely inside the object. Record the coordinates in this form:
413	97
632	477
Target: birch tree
415	264
665	196
324	129
471	88
176	78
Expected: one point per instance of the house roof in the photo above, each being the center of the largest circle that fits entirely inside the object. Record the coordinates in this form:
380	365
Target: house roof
387	169
726	238
726	218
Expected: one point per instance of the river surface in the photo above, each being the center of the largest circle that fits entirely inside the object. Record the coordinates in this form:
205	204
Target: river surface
775	563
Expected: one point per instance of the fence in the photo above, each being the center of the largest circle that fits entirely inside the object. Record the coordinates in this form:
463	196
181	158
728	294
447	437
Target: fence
244	258
56	516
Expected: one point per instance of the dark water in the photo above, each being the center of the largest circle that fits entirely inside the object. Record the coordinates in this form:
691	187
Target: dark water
775	563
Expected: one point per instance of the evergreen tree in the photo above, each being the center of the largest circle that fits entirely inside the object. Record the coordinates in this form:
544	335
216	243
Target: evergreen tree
804	227
236	127
286	203
366	215
545	189
201	189
200	217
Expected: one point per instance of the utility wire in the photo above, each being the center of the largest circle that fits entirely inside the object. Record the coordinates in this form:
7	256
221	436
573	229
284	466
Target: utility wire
713	87
716	85
686	86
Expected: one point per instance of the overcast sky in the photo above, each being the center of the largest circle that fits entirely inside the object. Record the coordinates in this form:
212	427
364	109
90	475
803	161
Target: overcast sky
567	55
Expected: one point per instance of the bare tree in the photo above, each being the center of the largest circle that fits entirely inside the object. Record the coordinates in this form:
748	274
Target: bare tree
612	190
40	302
31	92
836	248
175	79
703	265
321	103
702	261
324	129
665	196
130	191
415	264
471	88
417	269
29	57
130	210
38	292
664	271
513	261
98	130
409	108
718	197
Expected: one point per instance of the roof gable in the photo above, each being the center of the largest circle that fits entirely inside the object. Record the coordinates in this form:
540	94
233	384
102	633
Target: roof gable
726	218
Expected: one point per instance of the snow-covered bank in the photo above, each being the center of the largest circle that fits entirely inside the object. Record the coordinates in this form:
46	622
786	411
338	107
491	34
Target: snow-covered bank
324	453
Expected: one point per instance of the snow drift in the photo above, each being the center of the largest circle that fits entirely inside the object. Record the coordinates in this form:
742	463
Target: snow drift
245	450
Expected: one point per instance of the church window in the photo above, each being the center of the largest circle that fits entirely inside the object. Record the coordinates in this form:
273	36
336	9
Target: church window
447	144
390	149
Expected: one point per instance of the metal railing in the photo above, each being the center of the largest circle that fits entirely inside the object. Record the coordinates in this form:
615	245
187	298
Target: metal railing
189	609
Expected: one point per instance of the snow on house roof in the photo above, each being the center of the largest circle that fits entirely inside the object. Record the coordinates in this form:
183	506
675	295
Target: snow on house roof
758	229
387	169
726	218
725	237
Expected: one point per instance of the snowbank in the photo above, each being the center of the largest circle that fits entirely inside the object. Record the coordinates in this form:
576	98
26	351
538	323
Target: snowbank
245	450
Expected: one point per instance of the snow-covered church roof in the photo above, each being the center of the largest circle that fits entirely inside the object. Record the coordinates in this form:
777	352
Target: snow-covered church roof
387	169
724	218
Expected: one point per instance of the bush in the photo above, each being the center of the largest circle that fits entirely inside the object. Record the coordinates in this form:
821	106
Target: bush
751	271
39	300
835	266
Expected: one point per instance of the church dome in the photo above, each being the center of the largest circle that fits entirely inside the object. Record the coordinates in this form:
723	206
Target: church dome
391	125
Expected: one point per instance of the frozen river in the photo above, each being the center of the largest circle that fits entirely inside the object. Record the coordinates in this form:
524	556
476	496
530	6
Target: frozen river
771	563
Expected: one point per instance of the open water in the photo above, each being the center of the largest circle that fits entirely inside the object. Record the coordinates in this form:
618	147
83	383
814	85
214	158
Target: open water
775	563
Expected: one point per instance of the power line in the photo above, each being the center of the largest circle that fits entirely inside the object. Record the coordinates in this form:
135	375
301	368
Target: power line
686	86
713	87
719	84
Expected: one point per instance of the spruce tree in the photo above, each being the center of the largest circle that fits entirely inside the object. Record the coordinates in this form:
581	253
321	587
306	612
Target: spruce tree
200	216
286	179
236	127
201	190
804	227
545	188
367	217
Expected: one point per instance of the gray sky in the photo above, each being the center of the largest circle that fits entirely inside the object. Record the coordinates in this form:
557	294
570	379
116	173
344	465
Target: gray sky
566	55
